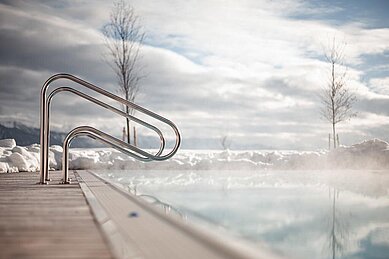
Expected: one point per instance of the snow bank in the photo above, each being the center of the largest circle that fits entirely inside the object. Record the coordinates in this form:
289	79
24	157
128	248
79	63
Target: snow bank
371	154
7	143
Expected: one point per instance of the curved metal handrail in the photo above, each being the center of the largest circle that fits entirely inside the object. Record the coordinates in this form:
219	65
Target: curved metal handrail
45	120
105	138
111	108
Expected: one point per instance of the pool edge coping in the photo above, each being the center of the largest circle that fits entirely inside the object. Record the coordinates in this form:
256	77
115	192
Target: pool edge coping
230	246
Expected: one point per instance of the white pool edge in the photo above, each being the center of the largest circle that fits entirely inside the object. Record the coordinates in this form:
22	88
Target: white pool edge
228	245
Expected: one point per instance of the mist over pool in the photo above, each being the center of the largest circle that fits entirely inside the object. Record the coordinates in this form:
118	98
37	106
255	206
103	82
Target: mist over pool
300	214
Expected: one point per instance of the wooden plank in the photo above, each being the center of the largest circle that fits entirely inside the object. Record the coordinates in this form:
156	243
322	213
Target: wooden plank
46	221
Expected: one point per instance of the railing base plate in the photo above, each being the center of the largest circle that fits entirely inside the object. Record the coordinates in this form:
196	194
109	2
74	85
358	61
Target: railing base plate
69	181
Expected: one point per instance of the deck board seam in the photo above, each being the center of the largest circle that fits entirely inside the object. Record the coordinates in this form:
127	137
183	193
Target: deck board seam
46	221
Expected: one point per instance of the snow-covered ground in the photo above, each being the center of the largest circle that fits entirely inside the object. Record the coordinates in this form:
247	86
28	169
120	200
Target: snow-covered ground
370	154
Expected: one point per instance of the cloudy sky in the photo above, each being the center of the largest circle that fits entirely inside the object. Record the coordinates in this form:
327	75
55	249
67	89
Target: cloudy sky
250	70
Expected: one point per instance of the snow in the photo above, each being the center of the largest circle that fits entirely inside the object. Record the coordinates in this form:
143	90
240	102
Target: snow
8	143
3	167
370	154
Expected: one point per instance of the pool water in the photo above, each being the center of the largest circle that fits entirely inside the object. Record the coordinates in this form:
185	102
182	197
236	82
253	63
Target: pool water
301	214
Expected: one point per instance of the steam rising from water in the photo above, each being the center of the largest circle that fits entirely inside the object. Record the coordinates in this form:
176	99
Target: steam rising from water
372	154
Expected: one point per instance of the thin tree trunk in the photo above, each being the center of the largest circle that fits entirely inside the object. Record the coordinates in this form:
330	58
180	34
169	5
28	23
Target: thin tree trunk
333	103
135	137
333	134
128	127
337	139
333	228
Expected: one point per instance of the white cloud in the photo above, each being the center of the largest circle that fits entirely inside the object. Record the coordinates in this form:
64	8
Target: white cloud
237	67
380	85
366	119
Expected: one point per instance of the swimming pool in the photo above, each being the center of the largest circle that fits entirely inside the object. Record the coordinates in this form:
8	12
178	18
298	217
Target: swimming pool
301	214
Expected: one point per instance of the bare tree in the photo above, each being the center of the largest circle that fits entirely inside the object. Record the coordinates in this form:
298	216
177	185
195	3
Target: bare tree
225	142
338	236
337	99
123	38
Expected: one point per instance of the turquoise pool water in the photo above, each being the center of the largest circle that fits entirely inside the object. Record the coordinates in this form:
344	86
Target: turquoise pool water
301	214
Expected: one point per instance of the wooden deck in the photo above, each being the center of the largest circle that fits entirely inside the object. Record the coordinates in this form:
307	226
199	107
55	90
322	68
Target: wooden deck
46	221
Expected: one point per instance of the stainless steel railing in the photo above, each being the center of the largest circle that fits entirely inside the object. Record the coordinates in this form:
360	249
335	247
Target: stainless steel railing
131	150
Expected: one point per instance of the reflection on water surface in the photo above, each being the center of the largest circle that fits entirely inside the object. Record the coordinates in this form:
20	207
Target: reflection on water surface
302	214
